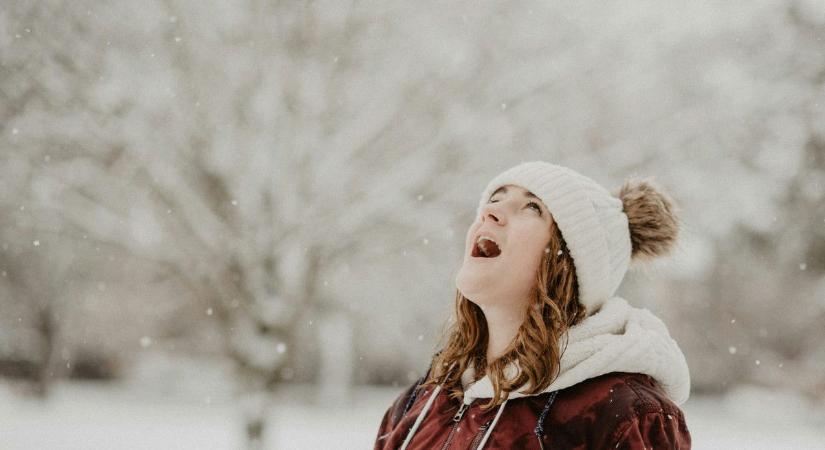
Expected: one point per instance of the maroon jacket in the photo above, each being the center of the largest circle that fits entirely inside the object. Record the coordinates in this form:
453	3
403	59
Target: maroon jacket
613	411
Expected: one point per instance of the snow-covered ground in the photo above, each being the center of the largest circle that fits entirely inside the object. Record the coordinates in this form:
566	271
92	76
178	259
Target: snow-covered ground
112	416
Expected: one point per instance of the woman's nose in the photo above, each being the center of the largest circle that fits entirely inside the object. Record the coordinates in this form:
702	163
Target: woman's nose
491	213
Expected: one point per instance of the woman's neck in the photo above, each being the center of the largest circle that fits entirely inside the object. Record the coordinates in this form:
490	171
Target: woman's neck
502	327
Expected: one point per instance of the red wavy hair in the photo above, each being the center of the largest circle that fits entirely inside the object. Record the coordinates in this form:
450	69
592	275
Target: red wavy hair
553	310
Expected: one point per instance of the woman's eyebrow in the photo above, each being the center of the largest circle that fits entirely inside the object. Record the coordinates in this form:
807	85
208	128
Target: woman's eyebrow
503	190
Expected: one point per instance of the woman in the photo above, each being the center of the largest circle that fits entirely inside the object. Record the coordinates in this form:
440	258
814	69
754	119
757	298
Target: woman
540	353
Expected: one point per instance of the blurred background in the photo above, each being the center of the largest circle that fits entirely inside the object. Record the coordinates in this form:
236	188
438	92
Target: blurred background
237	224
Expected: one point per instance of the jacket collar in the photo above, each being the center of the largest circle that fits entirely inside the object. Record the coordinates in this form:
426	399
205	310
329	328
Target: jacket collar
616	338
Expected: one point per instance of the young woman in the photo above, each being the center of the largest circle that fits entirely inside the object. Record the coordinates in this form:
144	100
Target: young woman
540	353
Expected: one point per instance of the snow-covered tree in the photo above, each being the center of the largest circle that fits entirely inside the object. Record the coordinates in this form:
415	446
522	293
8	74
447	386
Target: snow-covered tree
300	167
246	186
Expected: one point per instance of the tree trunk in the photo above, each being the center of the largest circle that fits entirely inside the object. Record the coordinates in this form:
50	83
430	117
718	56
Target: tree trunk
335	341
46	327
255	408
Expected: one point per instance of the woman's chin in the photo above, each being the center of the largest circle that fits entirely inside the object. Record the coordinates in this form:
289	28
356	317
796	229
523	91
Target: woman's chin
470	281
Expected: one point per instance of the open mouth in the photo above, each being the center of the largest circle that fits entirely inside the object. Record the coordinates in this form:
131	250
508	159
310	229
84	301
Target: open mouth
485	248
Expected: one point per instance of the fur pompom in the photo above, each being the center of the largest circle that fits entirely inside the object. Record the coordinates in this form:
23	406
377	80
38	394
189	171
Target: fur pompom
651	214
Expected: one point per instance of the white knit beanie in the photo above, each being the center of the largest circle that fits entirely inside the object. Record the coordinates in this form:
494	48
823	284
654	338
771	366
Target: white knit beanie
594	224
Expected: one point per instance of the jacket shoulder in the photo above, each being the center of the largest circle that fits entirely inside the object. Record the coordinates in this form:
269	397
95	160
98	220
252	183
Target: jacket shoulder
620	393
619	407
651	419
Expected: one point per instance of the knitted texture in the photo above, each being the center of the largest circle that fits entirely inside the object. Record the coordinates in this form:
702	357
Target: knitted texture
617	338
591	220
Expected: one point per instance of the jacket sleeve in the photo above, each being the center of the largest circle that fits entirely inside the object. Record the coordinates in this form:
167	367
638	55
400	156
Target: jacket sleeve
384	430
653	430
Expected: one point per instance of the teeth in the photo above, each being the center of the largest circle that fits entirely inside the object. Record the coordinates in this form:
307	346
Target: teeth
483	248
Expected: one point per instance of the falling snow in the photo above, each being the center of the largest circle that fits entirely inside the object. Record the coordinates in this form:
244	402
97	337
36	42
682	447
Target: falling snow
333	145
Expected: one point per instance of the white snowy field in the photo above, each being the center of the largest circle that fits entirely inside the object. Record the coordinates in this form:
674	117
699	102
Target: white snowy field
111	416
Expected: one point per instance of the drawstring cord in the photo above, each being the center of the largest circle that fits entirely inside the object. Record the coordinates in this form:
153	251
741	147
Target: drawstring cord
415	391
539	430
424	411
420	418
540	424
492	425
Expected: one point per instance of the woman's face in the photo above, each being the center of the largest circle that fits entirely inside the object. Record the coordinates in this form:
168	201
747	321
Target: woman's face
519	223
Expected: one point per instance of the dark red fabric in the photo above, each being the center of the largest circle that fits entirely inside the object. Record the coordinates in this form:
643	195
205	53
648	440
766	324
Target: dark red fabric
611	411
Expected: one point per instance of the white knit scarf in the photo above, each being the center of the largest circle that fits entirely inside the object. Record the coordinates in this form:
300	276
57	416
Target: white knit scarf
616	338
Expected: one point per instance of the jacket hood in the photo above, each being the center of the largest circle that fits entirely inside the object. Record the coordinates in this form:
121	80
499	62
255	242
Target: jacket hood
616	338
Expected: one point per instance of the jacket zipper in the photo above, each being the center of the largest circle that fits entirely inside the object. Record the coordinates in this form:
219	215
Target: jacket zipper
456	419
